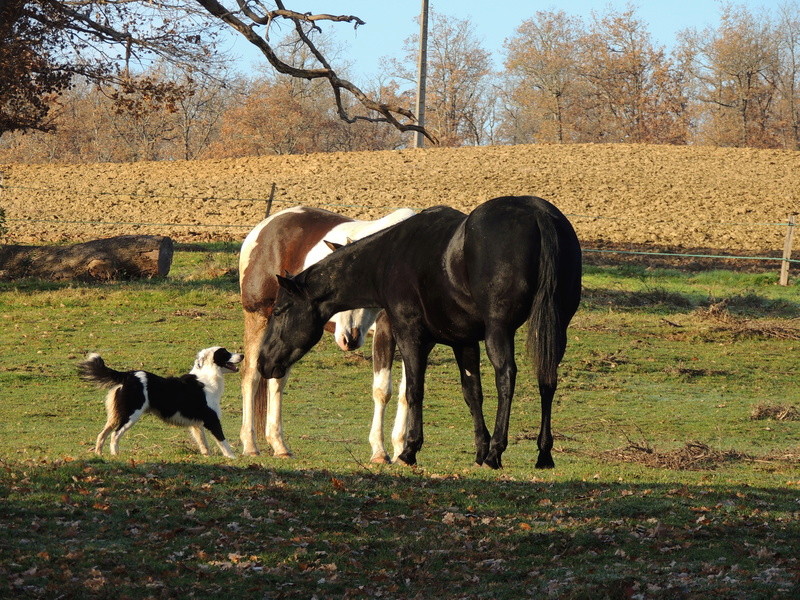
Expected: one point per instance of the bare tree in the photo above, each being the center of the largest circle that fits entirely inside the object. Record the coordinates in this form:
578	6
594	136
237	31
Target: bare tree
632	95
788	74
197	114
458	100
734	66
542	64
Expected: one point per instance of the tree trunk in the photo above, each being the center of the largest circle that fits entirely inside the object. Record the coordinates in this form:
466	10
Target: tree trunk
121	257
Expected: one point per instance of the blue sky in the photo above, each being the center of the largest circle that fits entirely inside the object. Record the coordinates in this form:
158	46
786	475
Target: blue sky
388	24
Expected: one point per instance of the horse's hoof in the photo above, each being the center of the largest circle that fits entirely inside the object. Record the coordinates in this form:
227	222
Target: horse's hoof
493	462
250	453
283	455
405	463
380	460
545	461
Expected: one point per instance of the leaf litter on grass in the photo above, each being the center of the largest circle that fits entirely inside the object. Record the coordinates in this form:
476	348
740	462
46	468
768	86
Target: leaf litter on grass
692	456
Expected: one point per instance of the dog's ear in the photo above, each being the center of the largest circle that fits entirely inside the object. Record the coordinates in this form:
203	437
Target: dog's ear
221	357
203	358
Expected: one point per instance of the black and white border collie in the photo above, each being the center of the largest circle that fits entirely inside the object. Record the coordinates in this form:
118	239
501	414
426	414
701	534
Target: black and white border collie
191	400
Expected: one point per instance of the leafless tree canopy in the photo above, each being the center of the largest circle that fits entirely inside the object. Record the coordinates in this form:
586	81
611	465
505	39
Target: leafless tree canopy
57	39
246	15
151	86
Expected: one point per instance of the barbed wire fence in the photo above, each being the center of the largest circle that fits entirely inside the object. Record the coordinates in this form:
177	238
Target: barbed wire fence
785	260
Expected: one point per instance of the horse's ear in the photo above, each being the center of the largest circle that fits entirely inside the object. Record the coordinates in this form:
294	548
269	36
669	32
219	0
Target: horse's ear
350	240
332	245
290	285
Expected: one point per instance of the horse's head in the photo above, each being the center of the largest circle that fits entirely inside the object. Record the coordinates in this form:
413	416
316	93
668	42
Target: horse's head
352	327
295	327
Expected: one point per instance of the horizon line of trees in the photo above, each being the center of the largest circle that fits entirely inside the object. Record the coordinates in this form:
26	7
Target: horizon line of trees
564	80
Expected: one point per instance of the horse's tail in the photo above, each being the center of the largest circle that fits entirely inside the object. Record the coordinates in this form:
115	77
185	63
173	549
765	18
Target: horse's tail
94	370
547	339
260	405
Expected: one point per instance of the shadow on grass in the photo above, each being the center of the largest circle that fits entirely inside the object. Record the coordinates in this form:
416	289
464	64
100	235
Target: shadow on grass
659	301
84	528
226	281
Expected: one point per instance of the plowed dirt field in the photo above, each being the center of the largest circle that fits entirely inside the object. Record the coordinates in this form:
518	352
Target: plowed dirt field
622	196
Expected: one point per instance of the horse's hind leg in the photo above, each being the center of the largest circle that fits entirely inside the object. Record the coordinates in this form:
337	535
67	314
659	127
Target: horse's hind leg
500	348
545	439
383	346
468	359
400	429
547	389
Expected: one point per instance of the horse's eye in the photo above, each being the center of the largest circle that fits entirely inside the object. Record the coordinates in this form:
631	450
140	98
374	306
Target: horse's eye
277	310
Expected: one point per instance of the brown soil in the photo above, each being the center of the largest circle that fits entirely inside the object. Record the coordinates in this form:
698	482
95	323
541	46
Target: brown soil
619	196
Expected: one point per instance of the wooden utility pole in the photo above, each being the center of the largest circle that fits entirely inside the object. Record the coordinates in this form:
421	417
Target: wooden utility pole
422	73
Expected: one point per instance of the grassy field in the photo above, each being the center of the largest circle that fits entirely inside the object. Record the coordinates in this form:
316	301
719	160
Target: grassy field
677	456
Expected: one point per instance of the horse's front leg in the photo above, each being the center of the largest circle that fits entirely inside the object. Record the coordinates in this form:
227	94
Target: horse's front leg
274	427
500	349
468	359
415	361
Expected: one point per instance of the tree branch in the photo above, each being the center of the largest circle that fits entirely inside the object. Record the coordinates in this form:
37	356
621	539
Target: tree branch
386	113
269	15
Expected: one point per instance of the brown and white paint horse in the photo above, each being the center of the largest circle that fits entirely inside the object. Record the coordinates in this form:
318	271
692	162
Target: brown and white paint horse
290	241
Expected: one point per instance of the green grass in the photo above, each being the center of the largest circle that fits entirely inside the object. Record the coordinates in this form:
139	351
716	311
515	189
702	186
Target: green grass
657	360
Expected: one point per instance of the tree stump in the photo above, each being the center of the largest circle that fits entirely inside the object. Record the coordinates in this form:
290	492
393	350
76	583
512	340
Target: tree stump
121	257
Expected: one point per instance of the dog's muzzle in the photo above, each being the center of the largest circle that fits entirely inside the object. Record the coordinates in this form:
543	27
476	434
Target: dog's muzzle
232	364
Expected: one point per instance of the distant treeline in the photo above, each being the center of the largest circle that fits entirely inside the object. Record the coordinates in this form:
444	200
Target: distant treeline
564	79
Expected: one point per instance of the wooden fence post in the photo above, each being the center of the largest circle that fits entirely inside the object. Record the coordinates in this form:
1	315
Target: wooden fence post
270	199
787	250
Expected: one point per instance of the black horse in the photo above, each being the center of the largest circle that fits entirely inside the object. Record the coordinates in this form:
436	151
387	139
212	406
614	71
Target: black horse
447	278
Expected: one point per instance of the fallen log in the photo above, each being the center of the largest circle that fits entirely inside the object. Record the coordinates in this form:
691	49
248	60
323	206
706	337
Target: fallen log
121	257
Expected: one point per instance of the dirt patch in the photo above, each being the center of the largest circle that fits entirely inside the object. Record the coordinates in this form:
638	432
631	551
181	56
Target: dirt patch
775	412
720	319
618	196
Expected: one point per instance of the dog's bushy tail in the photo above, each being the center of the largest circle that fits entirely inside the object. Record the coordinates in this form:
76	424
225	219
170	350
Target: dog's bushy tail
94	370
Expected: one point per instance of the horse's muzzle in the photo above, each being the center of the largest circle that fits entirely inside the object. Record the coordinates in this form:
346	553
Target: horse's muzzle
353	340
